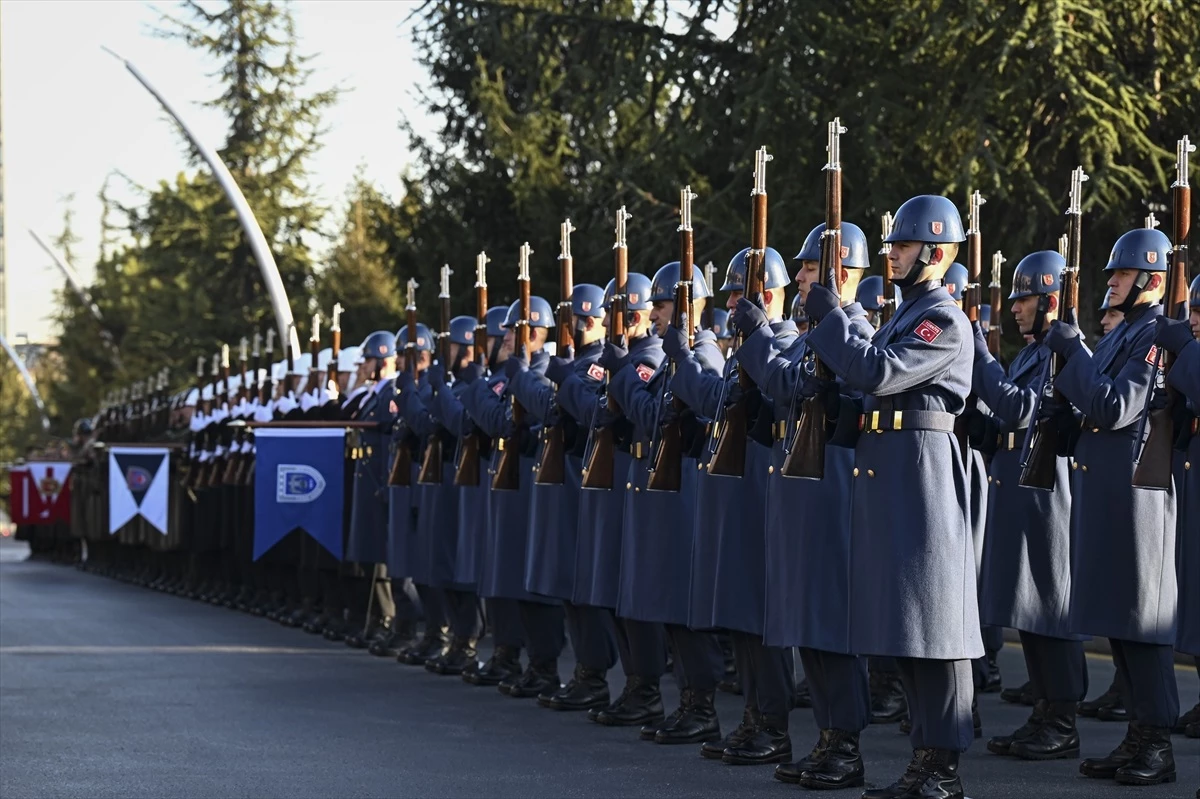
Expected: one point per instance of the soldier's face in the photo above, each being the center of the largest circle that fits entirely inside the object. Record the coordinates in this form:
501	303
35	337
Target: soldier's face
1024	310
902	258
806	276
660	315
1120	284
1111	319
731	302
1194	321
506	349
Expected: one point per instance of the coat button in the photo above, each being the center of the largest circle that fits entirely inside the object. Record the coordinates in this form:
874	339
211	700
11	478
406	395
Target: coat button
997	482
1095	429
1085	467
989	478
699	466
1074	465
636	490
870	472
856	471
533	469
1187	465
628	486
770	470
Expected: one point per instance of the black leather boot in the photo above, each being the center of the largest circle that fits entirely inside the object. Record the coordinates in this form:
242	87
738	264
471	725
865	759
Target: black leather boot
314	626
540	679
640	703
1105	768
1055	738
391	642
1115	712
790	772
976	719
1110	698
715	750
932	774
432	644
651	729
335	630
698	723
1017	696
504	663
803	694
1001	744
888	703
461	655
358	639
1154	761
992	682
770	743
840	765
1186	720
586	689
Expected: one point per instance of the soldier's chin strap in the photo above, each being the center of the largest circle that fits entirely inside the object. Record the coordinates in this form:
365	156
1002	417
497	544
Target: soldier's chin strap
1139	285
919	266
494	355
1039	319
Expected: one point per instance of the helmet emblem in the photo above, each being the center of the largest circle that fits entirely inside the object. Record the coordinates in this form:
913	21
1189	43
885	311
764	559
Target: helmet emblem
534	316
1151	257
1047	280
633	298
382	349
845	251
951	287
469	335
935	228
585	305
879	299
420	341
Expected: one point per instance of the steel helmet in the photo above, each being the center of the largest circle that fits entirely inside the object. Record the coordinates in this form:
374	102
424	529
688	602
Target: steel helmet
720	323
870	293
956	280
662	287
587	299
424	342
1038	273
380	344
462	330
775	274
854	246
540	314
1146	249
495	320
927	218
637	292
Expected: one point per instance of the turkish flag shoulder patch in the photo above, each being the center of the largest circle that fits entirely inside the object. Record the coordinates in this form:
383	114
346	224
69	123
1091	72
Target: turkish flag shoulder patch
928	332
498	388
596	371
392	408
1152	355
645	372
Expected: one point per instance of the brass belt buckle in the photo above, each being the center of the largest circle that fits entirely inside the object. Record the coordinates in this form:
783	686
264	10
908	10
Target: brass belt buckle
896	417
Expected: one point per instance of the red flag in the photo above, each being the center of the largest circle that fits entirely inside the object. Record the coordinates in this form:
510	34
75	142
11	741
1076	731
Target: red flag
40	493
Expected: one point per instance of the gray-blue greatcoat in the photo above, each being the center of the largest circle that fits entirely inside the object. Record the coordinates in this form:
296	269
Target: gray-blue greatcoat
436	540
1025	581
1123	564
729	550
473	501
807	560
912	567
503	573
1185	376
368	540
554	509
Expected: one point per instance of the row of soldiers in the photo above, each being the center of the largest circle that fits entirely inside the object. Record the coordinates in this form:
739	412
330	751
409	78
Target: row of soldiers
890	575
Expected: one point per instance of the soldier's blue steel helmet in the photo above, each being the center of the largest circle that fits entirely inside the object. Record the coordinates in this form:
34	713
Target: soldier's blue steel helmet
854	246
424	342
927	218
1146	249
637	292
540	314
870	293
956	280
720	323
985	317
775	274
462	330
1194	293
798	314
587	299
1038	273
495	320
662	288
380	344
83	427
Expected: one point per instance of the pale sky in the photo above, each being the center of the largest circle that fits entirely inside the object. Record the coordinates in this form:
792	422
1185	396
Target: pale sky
72	115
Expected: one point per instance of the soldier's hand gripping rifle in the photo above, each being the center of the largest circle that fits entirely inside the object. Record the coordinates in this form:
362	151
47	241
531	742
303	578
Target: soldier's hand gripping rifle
806	454
727	445
889	292
466	466
1152	463
431	463
401	474
551	465
666	451
506	475
972	297
599	456
1041	446
994	328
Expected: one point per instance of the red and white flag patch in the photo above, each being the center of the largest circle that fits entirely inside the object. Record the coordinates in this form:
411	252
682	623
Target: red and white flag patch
498	388
392	408
1152	355
928	332
596	371
644	372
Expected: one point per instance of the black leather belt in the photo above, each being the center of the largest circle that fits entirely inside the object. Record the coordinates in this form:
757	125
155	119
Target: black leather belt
887	421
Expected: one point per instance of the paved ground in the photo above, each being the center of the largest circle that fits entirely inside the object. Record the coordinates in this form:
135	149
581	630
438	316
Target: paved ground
107	690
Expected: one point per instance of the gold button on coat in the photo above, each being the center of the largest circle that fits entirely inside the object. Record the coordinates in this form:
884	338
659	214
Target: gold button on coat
856	471
770	470
870	472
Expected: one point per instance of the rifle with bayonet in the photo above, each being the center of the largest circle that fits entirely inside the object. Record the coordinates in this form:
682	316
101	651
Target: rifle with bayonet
972	297
666	452
335	329
470	446
994	328
431	463
506	474
710	276
729	430
806	454
246	470
1152	463
401	474
234	463
889	292
552	461
1041	446
599	457
215	470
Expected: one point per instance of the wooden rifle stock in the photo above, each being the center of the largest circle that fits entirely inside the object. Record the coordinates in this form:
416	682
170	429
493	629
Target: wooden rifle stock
466	470
1152	466
729	455
431	464
994	331
666	459
889	292
551	464
806	455
1038	469
599	457
507	473
972	297
401	474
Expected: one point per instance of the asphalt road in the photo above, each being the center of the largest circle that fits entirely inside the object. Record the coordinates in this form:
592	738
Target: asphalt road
108	690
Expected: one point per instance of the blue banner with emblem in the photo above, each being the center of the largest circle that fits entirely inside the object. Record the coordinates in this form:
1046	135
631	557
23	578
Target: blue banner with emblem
299	485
